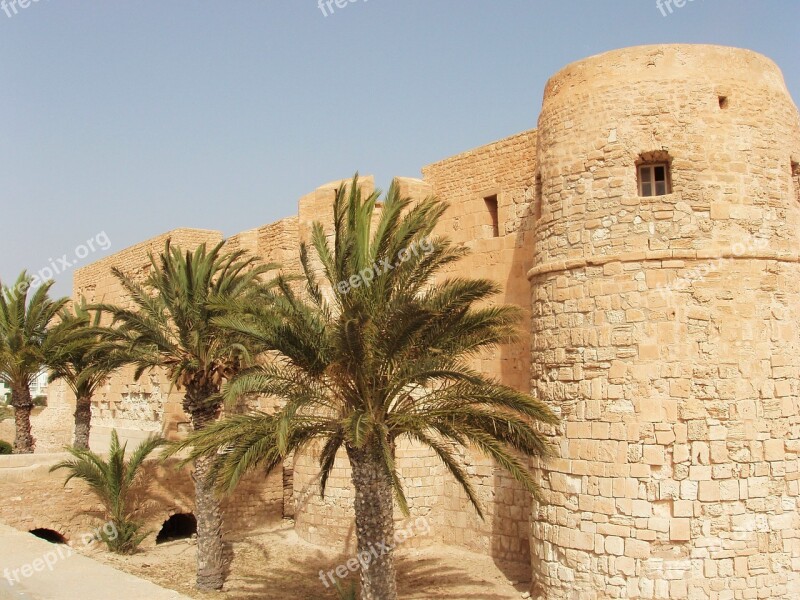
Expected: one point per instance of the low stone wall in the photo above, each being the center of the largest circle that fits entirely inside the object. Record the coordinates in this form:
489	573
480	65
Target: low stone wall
52	427
35	498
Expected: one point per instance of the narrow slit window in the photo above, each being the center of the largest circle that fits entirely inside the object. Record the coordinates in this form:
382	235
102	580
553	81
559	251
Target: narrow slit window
537	199
796	180
494	220
654	180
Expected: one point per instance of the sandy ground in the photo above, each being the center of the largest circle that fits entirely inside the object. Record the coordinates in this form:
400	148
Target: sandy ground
277	565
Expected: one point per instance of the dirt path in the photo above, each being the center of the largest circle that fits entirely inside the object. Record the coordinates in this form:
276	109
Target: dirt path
278	565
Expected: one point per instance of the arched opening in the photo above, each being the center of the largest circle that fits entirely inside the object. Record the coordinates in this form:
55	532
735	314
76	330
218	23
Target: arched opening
49	535
178	527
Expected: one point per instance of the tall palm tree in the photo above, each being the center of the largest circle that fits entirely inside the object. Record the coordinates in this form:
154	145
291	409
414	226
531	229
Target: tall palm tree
83	360
378	352
117	483
25	341
171	326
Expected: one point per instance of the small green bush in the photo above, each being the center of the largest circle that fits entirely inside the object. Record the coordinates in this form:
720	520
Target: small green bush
5	447
40	401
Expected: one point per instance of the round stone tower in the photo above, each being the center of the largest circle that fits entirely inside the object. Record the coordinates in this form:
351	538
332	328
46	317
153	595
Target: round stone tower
666	300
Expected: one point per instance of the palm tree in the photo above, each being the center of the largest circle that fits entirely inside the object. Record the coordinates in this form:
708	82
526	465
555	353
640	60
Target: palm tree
380	353
25	342
118	485
84	361
171	326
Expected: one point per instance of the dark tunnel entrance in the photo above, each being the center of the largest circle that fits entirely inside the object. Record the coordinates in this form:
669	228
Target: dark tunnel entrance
177	527
49	535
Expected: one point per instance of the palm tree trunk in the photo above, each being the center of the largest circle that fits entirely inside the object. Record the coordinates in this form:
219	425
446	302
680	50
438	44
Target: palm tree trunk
374	524
24	441
83	422
210	548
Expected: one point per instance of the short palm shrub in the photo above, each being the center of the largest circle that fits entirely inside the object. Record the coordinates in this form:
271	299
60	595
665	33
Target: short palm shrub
117	483
5	447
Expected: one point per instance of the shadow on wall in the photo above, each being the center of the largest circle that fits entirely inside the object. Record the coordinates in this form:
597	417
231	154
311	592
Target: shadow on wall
170	493
511	522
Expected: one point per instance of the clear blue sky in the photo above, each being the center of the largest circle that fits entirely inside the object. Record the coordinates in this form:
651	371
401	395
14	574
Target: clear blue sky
220	115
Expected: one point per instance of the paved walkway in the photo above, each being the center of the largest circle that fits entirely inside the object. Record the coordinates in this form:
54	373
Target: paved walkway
33	569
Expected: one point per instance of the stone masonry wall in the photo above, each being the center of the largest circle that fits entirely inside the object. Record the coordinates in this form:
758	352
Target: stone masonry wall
137	409
506	170
72	510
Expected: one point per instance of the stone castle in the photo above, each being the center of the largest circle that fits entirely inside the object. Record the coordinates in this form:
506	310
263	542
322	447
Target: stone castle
649	227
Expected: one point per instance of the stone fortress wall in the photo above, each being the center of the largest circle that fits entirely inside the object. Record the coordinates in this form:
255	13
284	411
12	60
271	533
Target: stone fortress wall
664	330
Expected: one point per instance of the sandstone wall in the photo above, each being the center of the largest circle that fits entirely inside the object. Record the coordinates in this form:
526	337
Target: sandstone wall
137	409
73	510
505	170
677	468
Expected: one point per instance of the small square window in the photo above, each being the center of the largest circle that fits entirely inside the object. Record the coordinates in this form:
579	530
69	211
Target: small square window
654	180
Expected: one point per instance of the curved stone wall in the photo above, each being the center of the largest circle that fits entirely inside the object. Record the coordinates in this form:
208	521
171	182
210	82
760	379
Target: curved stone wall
665	329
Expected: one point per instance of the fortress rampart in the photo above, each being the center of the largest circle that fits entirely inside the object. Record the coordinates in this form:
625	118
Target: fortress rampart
649	227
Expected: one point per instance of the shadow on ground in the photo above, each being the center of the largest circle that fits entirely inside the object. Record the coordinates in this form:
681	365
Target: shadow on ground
419	578
278	565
